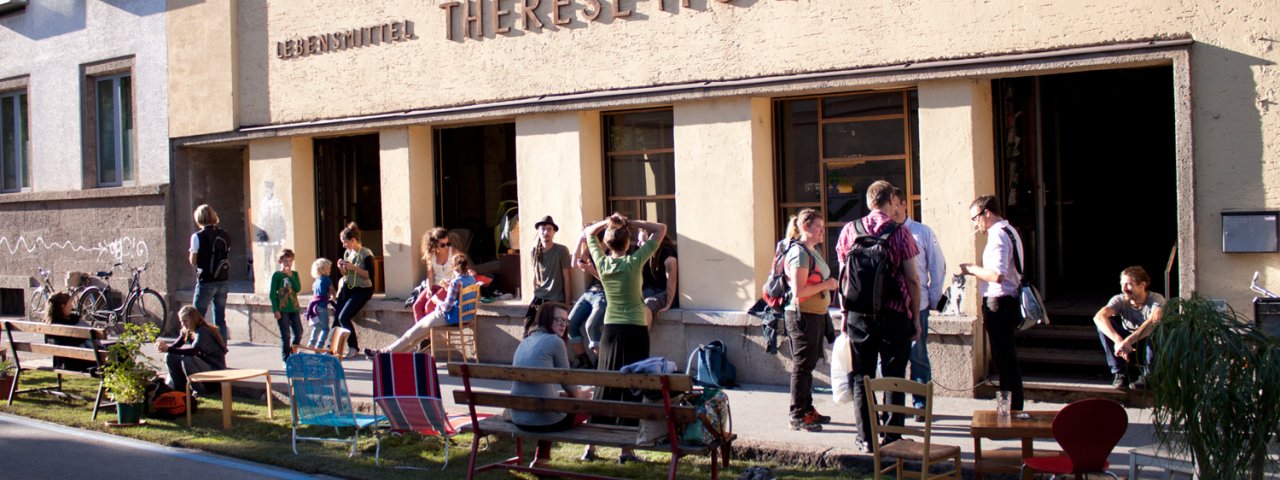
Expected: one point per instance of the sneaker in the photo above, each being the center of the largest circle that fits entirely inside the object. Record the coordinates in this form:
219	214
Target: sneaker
805	424
1140	383
370	353
919	418
814	417
1120	382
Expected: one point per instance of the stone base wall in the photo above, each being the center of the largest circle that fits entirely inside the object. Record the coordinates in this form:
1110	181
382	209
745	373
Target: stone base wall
84	231
675	334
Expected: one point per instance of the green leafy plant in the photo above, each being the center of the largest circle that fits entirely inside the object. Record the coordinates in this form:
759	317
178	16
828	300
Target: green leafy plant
127	370
506	220
6	368
1216	382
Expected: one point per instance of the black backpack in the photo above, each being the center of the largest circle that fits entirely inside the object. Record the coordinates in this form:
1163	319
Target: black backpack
213	262
866	270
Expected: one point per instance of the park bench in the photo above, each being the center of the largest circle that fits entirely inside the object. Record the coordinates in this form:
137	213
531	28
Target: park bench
668	411
96	354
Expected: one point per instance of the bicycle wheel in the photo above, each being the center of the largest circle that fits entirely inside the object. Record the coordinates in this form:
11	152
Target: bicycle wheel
147	309
93	307
35	307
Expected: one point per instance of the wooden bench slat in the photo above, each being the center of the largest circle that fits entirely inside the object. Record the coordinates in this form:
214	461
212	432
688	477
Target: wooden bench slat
678	382
72	331
606	435
642	411
79	353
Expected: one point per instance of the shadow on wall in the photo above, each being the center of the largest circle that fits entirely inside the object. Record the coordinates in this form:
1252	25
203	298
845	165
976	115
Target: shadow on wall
253	82
697	290
1228	107
41	19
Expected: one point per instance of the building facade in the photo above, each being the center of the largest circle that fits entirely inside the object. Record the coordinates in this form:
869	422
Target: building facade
84	142
1115	134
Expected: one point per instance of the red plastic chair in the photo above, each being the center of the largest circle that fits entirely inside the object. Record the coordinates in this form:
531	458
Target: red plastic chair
1087	431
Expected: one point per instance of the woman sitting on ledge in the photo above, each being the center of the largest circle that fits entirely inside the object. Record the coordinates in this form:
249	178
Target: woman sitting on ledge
445	312
200	348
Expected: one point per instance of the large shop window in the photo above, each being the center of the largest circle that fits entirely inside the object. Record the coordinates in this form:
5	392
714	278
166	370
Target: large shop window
830	149
113	125
640	168
15	171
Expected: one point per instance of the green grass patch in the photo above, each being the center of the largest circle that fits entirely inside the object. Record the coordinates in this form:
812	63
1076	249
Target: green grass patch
256	438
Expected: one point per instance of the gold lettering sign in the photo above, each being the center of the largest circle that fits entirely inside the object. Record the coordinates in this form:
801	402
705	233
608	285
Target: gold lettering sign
501	16
387	33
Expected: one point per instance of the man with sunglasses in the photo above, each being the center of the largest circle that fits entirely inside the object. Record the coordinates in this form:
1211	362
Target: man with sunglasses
999	278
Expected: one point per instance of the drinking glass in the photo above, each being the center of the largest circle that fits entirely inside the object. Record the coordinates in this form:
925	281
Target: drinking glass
1004	399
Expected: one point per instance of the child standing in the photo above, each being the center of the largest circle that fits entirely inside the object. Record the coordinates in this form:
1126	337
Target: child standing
284	303
318	309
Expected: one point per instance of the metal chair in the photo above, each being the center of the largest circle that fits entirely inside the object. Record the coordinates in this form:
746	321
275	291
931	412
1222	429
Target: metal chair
926	452
460	338
1087	430
406	389
318	388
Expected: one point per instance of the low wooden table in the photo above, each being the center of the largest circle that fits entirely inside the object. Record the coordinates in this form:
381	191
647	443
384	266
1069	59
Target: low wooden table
985	424
225	377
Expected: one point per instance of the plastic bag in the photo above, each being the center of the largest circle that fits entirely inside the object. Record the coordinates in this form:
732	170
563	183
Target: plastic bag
841	367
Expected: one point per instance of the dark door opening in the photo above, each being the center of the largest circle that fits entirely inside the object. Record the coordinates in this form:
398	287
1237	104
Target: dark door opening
1087	174
476	174
348	189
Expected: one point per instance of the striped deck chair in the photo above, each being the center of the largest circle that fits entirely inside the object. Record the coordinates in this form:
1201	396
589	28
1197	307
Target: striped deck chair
406	389
318	387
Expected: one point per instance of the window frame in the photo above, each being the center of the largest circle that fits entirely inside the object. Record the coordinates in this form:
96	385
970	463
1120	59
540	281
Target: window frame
606	119
113	70
22	124
909	157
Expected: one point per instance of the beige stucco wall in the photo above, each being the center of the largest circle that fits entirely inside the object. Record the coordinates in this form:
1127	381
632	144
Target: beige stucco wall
408	204
1231	77
202	67
282	202
724	200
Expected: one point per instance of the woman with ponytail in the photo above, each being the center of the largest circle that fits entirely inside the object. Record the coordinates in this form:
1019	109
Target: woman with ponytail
806	315
625	337
356	287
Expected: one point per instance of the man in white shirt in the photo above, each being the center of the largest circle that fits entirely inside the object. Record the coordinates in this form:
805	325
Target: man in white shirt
931	268
999	278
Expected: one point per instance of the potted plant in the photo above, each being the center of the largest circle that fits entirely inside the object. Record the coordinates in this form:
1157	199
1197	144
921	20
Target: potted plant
6	378
1216	382
128	371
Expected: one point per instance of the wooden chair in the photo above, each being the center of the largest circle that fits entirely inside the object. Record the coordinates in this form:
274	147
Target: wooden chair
926	452
460	338
337	344
318	390
406	389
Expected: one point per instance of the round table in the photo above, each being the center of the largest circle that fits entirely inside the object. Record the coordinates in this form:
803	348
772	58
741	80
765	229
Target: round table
225	377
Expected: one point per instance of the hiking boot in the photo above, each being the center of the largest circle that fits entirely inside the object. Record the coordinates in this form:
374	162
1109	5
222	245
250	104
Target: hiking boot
806	424
812	416
1120	382
1140	383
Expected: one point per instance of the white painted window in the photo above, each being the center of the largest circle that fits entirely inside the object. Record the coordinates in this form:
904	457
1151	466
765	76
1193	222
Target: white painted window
113	120
15	167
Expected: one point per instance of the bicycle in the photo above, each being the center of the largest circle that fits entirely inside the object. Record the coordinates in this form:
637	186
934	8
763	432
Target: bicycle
139	306
40	296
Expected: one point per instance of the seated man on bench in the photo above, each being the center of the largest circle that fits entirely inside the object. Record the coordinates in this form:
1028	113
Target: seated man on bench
544	347
1125	323
59	312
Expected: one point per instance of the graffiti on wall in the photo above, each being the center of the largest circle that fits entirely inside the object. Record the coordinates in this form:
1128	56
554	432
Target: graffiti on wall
119	249
269	233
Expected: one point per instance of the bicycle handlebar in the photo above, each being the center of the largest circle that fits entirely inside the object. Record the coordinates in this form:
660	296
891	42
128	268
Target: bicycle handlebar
1259	289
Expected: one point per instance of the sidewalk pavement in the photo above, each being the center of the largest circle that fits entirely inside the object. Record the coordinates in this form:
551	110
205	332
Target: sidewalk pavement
759	416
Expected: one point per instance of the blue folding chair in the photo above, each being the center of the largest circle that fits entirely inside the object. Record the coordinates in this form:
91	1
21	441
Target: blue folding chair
319	390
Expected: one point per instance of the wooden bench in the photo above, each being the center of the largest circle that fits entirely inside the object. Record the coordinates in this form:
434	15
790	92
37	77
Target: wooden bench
96	354
674	416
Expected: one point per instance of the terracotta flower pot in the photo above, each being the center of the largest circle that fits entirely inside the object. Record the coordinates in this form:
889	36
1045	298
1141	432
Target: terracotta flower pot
5	384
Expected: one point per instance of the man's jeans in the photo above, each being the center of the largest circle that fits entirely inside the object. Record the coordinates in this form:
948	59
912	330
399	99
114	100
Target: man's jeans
1142	351
217	293
921	370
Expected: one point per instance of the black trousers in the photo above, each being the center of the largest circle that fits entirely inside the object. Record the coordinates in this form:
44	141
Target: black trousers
886	341
1000	318
350	302
806	332
620	345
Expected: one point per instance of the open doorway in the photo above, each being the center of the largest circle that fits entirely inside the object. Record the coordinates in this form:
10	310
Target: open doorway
476	174
349	189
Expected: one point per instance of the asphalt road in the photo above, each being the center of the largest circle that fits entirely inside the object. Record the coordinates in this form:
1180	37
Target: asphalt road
35	450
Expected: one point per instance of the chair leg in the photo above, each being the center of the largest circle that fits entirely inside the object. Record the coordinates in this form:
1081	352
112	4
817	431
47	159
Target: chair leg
97	400
471	461
17	376
355	438
715	464
446	441
295	438
377	449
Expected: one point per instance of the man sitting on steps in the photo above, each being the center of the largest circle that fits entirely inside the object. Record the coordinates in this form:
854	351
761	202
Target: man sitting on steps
1125	323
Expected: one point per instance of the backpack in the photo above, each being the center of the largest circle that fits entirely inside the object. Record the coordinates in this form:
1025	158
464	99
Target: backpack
866	270
169	405
777	288
215	265
709	366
